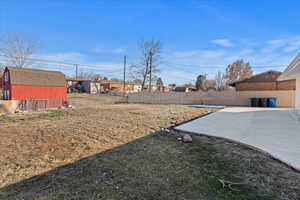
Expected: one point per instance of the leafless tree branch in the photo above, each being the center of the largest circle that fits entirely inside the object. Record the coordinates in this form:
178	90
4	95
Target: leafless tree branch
17	50
220	81
148	49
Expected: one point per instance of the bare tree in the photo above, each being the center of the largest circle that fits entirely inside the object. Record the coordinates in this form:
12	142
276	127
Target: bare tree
149	61
220	81
17	50
2	66
204	84
89	75
238	70
159	82
201	82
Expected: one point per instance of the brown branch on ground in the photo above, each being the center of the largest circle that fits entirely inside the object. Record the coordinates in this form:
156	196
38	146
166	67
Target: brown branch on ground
229	184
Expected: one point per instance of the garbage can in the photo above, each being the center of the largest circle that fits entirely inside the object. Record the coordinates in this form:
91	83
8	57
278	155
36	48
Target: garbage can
272	102
263	102
254	102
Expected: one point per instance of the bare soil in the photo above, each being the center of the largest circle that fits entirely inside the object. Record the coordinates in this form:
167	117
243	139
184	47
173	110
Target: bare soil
105	149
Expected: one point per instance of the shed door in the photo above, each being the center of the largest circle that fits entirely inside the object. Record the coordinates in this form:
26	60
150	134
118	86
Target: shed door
6	91
6	95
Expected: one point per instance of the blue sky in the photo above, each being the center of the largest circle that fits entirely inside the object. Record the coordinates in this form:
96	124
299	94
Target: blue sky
199	36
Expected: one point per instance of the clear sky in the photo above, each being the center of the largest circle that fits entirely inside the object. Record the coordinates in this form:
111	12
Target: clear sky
199	36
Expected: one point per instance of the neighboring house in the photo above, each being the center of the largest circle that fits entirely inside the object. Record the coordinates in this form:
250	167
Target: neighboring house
75	85
167	89
92	87
157	88
263	82
162	88
293	72
184	89
100	86
118	86
32	86
84	86
137	87
266	85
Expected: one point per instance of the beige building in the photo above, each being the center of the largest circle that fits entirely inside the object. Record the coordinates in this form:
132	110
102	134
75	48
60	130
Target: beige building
266	81
293	72
92	87
118	86
84	86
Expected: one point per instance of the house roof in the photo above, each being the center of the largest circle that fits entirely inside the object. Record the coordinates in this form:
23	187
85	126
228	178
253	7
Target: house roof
36	77
78	79
269	76
120	82
183	88
292	71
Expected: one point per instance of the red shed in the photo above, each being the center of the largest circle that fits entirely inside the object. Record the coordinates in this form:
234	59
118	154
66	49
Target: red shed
33	86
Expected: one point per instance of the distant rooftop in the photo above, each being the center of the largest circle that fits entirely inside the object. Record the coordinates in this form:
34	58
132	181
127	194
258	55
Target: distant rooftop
269	76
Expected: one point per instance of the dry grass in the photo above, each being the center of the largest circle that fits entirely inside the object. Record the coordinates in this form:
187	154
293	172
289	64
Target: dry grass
35	143
115	151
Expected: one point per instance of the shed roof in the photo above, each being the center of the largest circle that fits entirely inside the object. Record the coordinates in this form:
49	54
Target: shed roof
36	77
292	71
269	76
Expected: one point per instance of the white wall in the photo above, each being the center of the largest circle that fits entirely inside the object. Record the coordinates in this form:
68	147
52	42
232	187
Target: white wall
95	88
298	93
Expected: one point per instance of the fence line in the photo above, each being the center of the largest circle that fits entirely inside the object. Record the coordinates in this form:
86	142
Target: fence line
285	98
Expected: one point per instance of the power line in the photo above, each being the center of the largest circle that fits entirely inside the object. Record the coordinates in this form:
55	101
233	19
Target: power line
49	62
53	63
222	66
116	71
166	62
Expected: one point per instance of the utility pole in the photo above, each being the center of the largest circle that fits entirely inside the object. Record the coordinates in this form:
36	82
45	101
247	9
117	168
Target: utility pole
76	71
124	83
150	71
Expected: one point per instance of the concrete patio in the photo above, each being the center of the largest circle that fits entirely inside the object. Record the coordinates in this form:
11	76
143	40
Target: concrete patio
275	131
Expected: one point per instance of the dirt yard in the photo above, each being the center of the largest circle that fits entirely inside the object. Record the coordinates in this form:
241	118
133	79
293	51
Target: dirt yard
105	149
35	143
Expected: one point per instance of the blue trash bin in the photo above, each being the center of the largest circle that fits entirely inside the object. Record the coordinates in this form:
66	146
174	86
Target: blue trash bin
254	102
272	102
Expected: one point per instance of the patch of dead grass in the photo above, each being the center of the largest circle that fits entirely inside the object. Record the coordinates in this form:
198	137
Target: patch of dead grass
159	167
105	150
37	142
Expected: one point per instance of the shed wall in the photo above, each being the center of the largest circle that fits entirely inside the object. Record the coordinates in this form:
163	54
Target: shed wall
25	92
